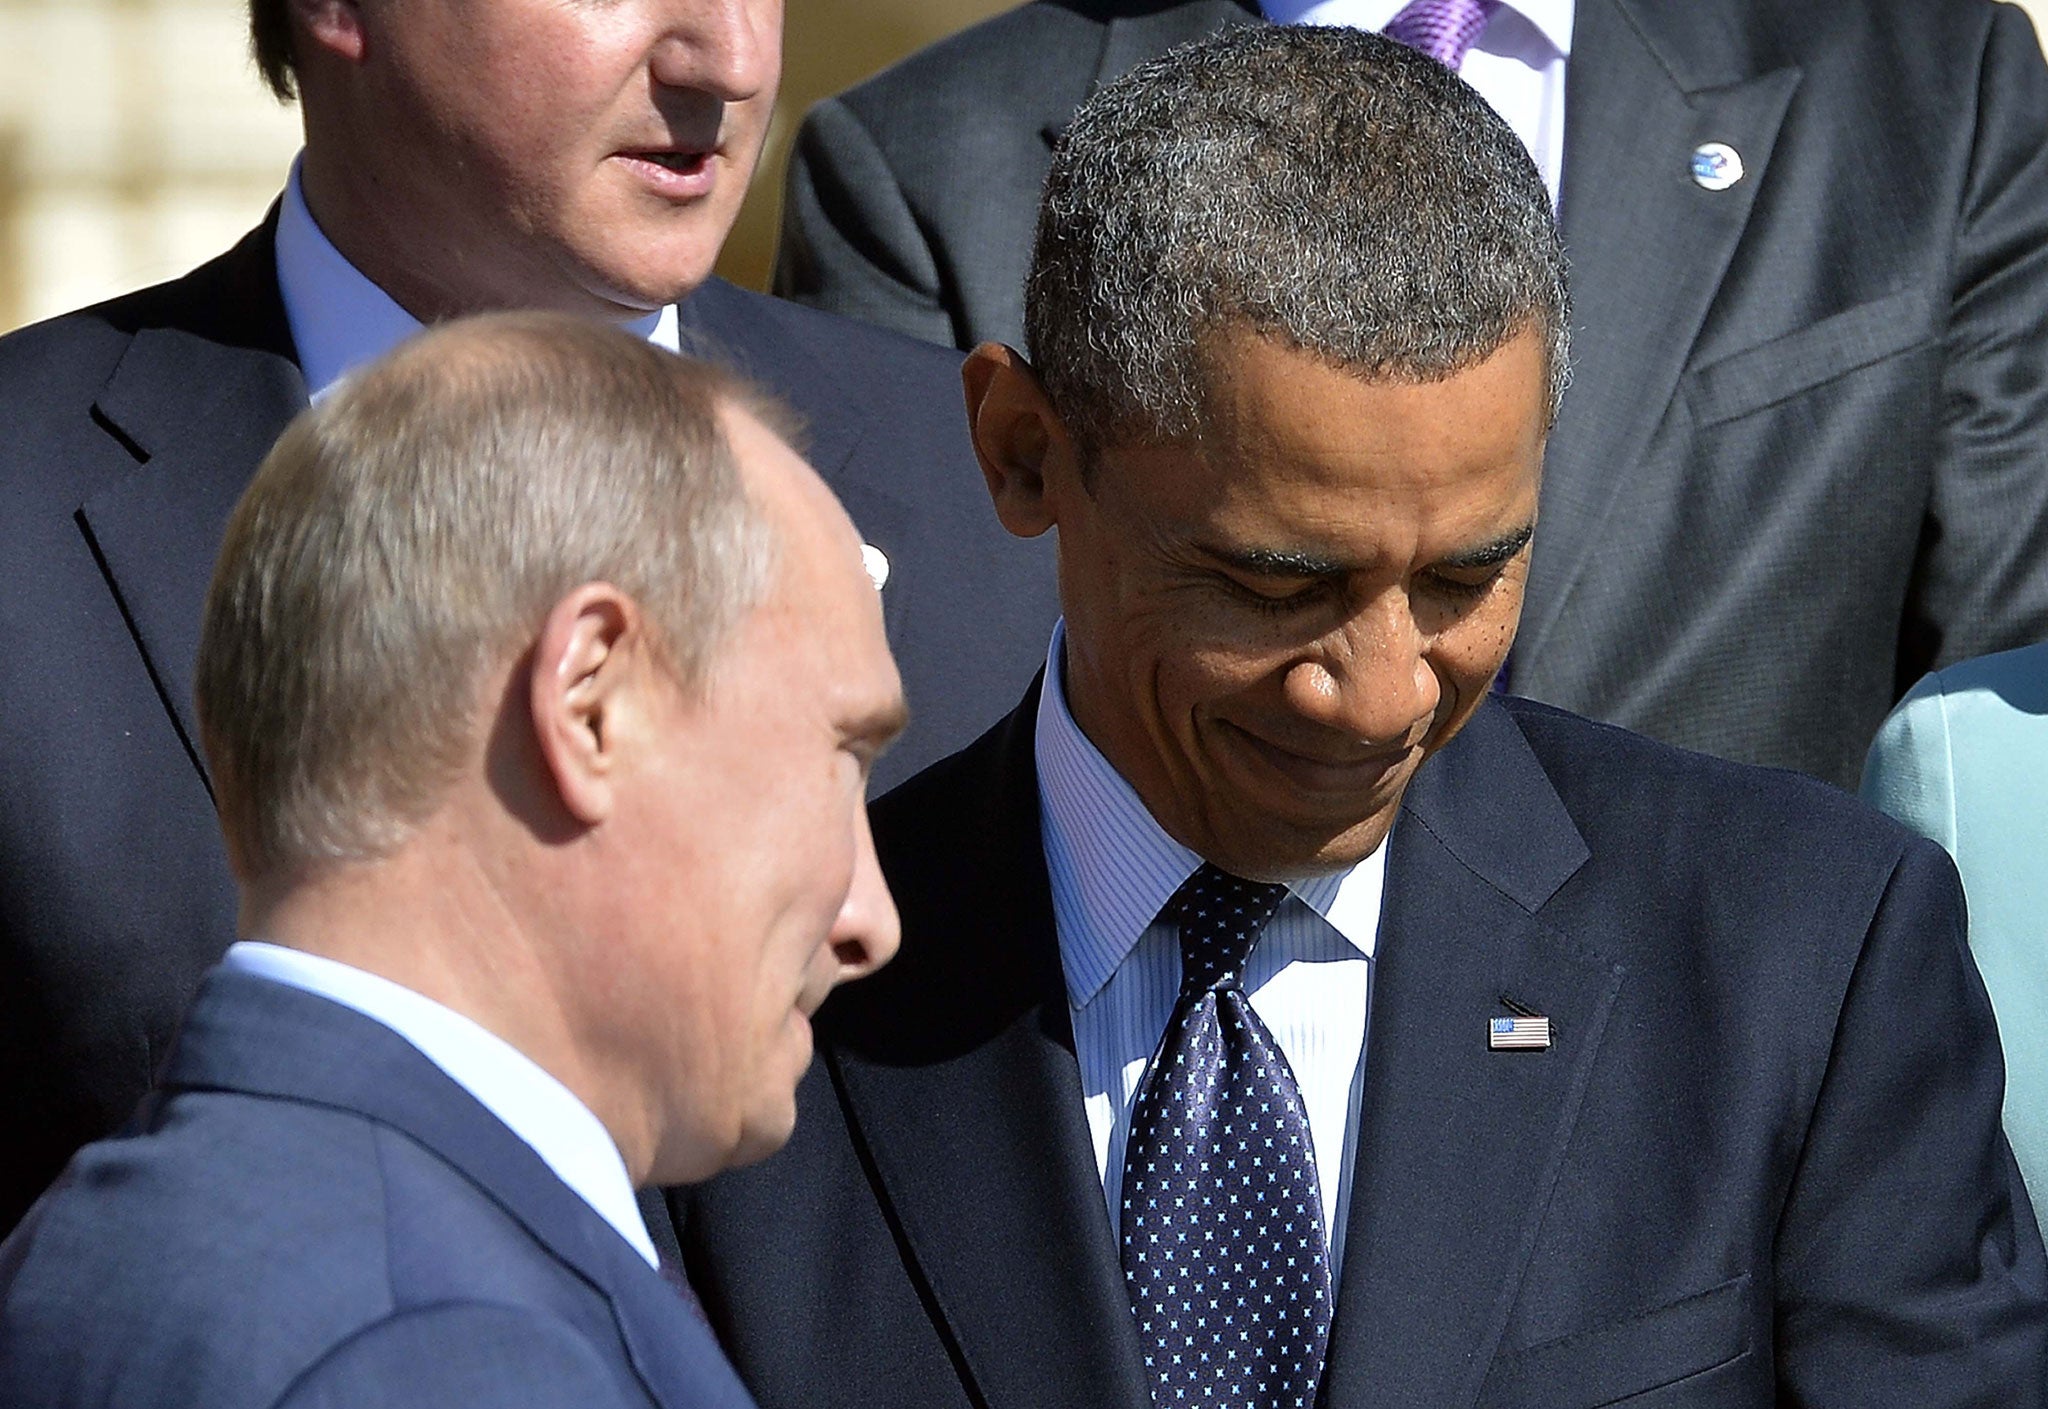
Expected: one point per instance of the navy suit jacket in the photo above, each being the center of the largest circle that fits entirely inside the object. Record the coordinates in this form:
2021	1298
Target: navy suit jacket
129	433
309	1212
1761	1164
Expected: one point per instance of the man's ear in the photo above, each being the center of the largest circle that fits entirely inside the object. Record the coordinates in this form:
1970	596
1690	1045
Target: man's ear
1025	452
591	656
335	26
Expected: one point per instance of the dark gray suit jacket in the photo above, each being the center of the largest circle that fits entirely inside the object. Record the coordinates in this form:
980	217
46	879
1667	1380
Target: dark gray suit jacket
1760	1166
127	433
1804	458
311	1214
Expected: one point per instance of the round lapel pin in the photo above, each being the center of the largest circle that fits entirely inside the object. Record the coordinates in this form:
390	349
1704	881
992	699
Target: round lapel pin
1716	166
876	562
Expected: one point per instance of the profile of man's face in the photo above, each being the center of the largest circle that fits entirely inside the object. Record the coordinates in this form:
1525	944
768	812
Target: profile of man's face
564	153
1269	627
752	887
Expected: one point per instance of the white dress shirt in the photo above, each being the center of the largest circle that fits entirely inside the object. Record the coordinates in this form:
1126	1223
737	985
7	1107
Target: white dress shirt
340	320
505	1081
1112	868
1517	64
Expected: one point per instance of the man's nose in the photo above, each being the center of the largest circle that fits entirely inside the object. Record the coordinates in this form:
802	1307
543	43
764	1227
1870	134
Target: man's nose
1370	681
868	931
731	49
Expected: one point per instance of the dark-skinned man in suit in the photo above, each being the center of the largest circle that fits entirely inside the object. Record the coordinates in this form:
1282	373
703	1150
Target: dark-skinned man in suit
459	157
1266	961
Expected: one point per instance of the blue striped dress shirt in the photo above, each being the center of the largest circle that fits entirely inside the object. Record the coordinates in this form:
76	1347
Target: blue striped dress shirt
1112	868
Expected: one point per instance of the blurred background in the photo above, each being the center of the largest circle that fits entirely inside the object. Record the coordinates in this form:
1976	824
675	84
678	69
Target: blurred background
136	140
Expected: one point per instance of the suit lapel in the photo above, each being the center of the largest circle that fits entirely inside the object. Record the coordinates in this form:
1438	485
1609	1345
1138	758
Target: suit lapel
957	1070
198	397
1648	83
1458	1144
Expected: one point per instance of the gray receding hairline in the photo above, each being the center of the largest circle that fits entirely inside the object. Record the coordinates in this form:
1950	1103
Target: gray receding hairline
410	534
1324	187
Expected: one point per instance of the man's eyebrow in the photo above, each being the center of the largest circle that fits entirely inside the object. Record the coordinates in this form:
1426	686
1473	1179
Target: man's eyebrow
1492	555
1275	562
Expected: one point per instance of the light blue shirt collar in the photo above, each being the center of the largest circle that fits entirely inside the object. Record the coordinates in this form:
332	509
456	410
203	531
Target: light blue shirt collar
535	1106
340	320
1113	867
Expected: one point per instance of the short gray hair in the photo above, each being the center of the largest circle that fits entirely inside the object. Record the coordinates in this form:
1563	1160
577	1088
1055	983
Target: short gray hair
412	532
1324	186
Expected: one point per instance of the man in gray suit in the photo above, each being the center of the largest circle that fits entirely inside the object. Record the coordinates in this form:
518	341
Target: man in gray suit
1805	454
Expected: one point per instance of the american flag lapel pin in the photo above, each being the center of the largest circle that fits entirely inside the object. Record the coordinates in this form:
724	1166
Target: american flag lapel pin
1525	1031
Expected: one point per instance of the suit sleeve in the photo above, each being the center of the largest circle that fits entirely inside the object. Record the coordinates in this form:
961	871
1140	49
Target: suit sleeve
850	244
476	1356
1982	581
1908	774
1909	1268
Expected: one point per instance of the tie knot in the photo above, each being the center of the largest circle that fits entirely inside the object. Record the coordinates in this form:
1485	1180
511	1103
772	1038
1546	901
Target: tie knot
1220	916
1442	29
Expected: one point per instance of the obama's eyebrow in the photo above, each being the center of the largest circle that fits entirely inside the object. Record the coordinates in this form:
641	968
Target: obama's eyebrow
1275	562
1293	563
1490	555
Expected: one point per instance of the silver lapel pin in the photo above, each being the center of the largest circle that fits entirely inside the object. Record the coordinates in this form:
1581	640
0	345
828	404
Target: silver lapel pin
1716	166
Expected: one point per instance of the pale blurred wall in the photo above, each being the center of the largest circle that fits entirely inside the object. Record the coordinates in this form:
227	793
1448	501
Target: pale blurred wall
135	140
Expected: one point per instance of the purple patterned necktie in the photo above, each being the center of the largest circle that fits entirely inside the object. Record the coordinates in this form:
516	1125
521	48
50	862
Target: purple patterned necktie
1442	29
1222	1220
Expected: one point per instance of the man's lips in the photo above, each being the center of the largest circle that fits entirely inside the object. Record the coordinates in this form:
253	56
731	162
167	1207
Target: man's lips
1323	770
679	174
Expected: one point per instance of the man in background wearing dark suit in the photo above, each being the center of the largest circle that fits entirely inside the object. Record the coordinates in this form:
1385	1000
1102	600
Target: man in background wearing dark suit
539	682
459	157
1804	458
1266	959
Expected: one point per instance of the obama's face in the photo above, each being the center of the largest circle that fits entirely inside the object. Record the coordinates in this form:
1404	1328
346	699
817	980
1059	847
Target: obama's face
1271	625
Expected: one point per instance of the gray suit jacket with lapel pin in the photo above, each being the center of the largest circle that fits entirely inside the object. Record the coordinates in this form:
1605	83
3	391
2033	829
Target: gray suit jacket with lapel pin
1804	458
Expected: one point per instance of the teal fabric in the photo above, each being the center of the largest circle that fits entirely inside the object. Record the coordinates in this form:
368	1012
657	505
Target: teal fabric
1963	760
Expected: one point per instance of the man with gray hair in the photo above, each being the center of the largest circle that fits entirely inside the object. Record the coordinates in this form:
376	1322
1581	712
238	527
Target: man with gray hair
1288	1019
540	682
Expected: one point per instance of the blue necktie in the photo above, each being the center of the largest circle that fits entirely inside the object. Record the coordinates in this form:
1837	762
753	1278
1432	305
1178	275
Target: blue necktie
1223	1246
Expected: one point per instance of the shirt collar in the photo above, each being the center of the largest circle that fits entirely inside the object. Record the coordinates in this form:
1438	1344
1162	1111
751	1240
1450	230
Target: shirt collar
1552	19
510	1085
1113	867
340	320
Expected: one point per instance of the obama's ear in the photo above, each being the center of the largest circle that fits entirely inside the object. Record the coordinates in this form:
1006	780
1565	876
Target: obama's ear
1027	457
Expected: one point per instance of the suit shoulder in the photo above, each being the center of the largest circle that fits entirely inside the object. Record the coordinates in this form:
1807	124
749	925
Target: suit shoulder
1011	59
182	1264
1621	787
860	352
55	366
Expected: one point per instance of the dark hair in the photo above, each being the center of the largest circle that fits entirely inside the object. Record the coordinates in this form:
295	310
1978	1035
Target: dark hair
1322	185
270	44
